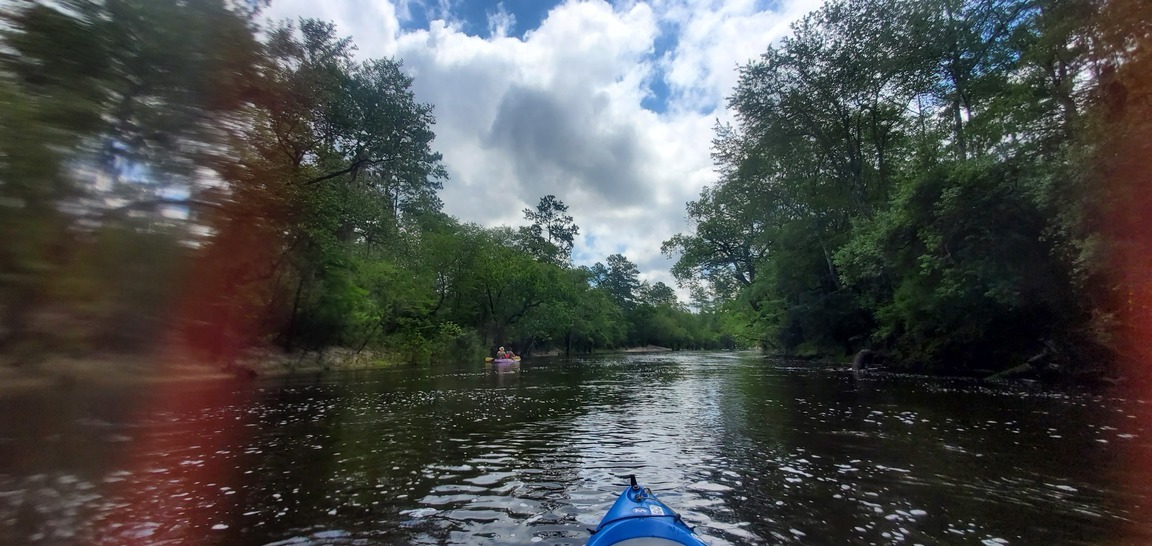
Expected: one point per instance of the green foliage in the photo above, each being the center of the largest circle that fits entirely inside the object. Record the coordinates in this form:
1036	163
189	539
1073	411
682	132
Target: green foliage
552	233
905	175
619	278
100	95
179	172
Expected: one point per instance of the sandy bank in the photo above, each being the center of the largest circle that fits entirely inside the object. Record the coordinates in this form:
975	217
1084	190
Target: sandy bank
647	349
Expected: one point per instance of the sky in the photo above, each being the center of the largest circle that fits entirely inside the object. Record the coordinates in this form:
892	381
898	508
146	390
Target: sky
609	106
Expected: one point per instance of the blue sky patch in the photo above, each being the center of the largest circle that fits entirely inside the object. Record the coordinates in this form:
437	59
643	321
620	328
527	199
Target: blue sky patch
665	44
473	15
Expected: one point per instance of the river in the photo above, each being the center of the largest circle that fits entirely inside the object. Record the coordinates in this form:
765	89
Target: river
750	450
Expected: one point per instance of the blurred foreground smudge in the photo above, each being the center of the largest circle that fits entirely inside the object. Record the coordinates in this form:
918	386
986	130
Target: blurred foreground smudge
170	180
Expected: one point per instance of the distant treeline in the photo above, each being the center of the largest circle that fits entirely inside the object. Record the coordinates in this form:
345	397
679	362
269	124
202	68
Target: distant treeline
174	176
960	183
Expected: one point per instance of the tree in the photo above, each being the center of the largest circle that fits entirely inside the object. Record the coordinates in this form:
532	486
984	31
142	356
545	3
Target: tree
660	294
1105	200
904	174
619	278
336	160
181	170
552	233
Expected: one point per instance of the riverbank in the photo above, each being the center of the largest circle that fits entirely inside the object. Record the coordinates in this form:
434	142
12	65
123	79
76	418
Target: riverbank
177	364
641	349
102	370
647	349
172	366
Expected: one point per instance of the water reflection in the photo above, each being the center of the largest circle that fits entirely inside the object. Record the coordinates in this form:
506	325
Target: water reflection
751	451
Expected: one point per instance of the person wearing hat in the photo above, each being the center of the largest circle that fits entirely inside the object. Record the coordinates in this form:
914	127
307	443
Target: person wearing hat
500	354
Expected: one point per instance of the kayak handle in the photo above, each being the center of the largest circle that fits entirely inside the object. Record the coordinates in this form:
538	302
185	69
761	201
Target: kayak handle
639	494
631	481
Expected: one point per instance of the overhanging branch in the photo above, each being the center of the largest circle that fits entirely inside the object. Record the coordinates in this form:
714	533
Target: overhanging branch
354	168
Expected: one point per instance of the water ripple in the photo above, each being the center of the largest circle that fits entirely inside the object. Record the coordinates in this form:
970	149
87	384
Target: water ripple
749	451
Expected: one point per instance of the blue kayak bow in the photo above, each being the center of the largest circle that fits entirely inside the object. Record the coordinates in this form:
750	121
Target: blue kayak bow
638	518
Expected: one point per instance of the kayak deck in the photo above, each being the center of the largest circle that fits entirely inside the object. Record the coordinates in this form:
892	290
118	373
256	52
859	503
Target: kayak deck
638	518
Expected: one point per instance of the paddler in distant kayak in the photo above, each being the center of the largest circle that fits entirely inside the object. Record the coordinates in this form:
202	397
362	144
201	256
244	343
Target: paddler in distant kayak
500	354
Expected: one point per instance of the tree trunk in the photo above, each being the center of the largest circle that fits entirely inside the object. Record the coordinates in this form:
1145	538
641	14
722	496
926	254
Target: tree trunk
958	129
290	336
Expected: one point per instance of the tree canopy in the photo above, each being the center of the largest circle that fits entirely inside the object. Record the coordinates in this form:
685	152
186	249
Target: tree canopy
914	177
188	178
958	183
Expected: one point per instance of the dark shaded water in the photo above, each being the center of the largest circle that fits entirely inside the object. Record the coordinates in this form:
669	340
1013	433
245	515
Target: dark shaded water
752	451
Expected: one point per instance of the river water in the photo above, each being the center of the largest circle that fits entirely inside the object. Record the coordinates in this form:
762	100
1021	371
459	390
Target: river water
749	449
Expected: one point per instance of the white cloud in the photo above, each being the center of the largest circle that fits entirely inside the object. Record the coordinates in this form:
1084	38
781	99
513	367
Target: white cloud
501	22
558	111
373	24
